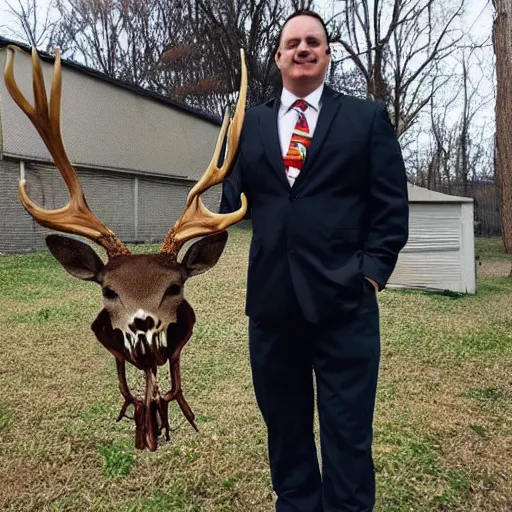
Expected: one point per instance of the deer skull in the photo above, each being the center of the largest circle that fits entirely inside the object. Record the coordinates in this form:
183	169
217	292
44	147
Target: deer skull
141	293
145	319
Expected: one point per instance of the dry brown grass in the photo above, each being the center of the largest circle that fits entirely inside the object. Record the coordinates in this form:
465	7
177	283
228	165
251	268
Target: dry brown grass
443	428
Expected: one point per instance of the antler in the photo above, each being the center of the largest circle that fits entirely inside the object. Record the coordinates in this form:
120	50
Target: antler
196	219
75	217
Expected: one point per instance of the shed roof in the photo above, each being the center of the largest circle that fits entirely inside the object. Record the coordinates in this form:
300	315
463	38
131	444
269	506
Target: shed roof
47	57
424	195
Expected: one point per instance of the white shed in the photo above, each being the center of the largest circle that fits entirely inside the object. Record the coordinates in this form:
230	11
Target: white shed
440	252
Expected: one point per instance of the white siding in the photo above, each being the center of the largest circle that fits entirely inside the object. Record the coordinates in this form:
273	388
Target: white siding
439	253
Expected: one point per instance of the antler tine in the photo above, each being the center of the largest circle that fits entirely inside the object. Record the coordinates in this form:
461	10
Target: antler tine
75	217
197	220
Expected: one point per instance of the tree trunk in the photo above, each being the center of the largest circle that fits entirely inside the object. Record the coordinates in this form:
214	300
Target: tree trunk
503	51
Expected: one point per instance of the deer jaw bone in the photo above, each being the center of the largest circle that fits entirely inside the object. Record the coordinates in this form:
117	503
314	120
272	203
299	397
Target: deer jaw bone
151	412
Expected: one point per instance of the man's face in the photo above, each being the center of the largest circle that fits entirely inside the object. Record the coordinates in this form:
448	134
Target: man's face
301	56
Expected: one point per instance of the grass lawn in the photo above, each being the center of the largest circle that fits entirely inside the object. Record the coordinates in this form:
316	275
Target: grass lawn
490	248
443	428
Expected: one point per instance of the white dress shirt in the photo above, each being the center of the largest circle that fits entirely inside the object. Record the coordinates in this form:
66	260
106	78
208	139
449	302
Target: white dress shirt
287	117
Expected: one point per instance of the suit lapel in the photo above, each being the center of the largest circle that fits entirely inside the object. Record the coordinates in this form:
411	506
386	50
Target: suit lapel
270	136
330	105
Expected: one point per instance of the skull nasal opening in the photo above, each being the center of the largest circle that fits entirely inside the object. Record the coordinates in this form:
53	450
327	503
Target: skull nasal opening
142	324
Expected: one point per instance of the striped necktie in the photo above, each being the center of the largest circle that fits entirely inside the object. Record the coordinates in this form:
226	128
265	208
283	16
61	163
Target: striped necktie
299	143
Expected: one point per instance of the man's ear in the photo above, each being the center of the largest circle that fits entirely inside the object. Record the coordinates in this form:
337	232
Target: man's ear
76	257
204	254
277	57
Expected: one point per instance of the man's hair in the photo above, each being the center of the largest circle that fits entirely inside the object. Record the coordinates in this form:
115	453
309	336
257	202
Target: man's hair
301	12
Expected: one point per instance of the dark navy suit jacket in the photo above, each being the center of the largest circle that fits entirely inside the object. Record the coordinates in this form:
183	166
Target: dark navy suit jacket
345	217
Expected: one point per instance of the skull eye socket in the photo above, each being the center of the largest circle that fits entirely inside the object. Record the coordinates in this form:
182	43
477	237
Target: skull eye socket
173	290
108	293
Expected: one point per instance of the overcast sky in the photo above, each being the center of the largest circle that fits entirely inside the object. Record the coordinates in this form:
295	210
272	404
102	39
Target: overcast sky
480	10
478	18
478	21
476	8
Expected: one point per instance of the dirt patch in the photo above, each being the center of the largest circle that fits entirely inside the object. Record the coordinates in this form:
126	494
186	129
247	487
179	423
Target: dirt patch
490	268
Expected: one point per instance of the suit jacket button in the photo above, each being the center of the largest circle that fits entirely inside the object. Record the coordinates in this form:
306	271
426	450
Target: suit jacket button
294	198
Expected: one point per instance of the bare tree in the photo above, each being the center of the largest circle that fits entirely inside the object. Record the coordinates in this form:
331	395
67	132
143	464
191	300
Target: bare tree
443	147
433	161
113	37
33	24
188	50
457	151
471	138
157	45
398	47
254	26
502	38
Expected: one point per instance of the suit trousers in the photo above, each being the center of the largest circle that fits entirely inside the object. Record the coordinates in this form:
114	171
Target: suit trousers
341	355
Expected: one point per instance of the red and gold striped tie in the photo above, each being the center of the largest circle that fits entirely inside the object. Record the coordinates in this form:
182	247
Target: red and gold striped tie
299	143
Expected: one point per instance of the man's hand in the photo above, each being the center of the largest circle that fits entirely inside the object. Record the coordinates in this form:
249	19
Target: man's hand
375	285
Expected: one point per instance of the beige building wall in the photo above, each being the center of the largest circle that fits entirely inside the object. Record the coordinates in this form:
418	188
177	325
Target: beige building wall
108	126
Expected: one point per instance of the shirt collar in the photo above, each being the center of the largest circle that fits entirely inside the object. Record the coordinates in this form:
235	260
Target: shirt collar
312	99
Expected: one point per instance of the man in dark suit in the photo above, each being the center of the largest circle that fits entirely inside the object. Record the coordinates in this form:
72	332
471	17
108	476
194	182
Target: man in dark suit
327	191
